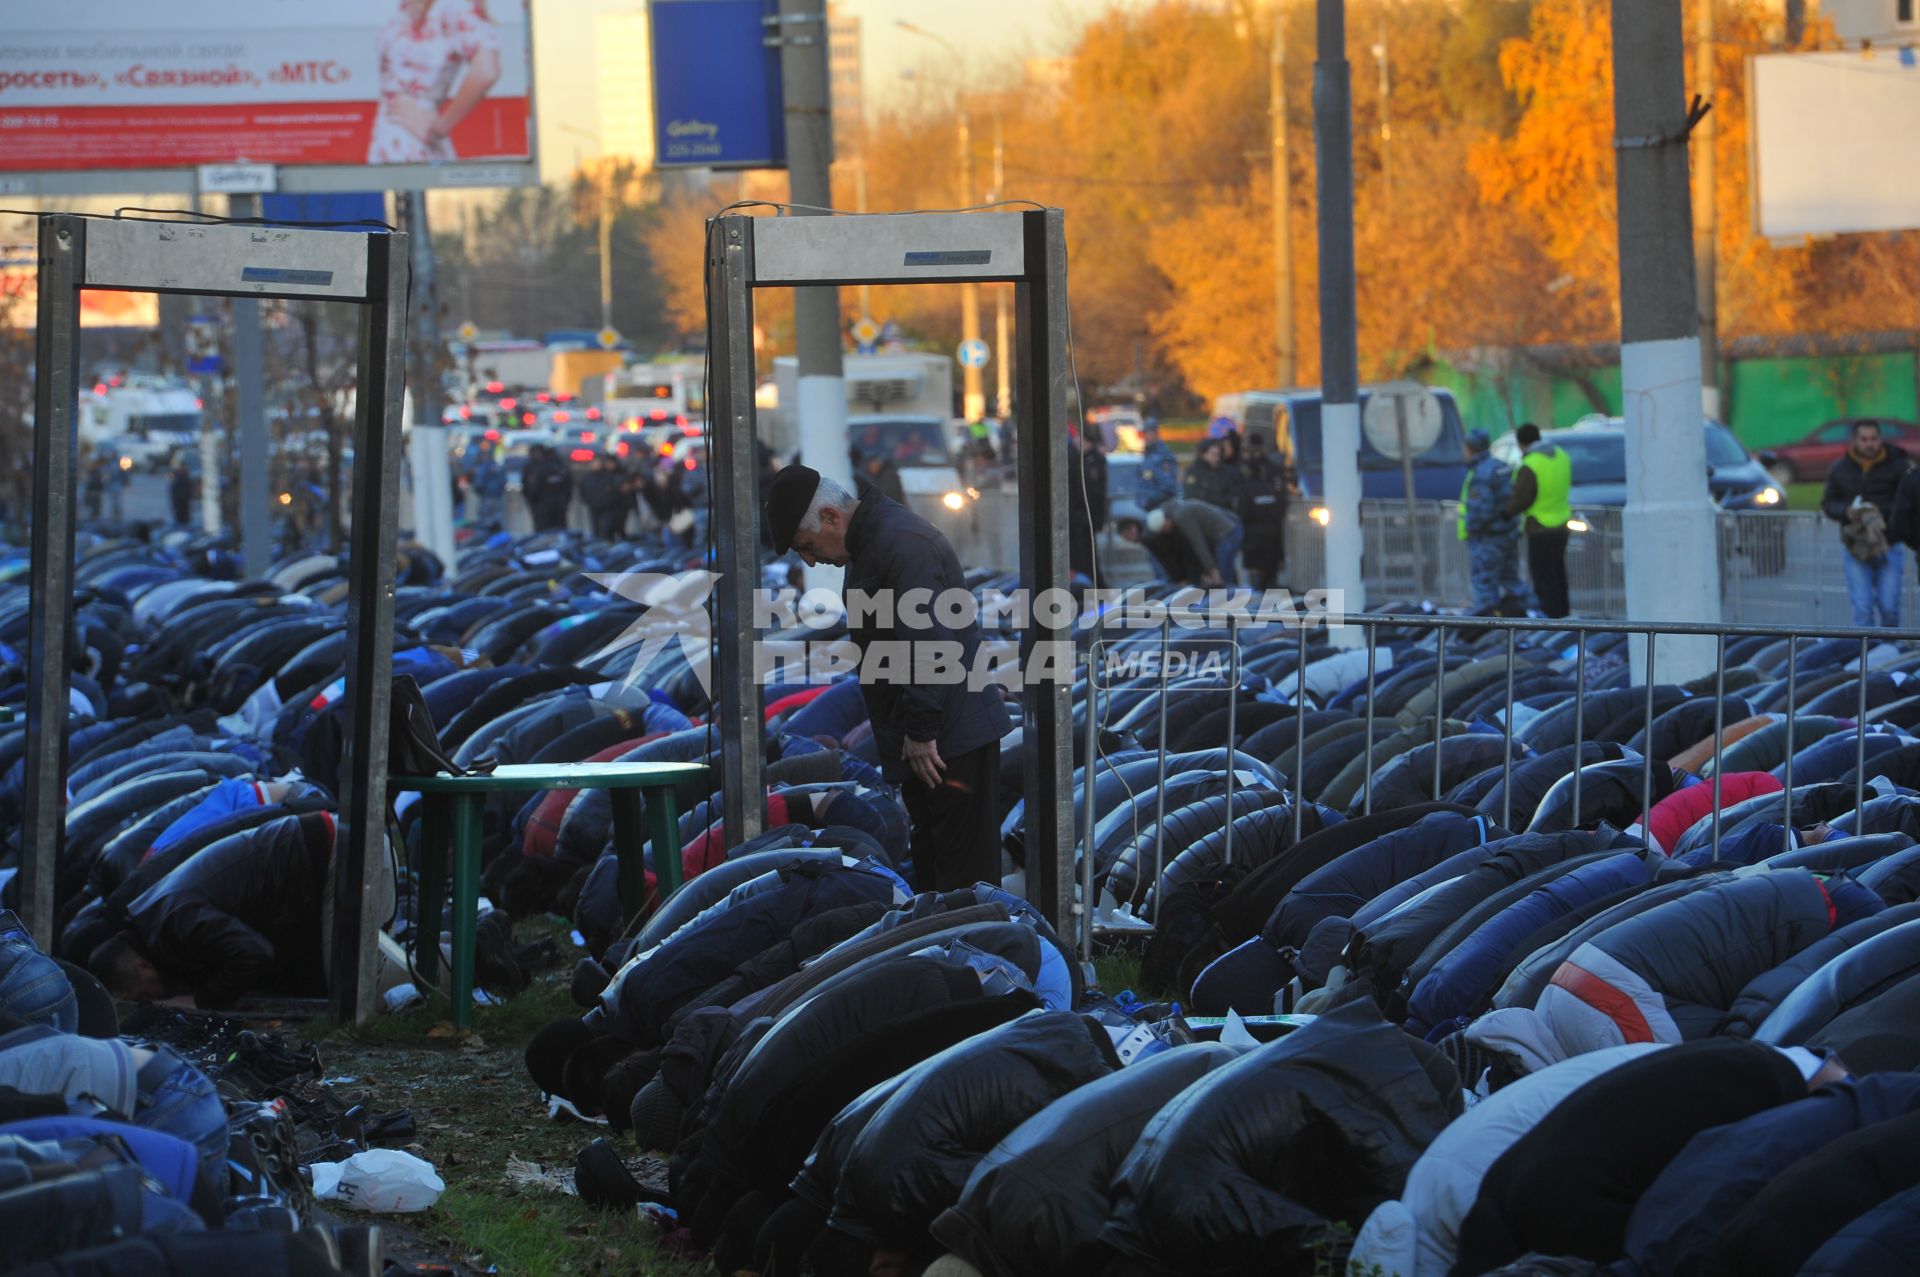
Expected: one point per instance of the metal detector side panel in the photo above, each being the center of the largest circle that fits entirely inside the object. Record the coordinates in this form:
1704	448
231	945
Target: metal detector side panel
891	248
235	261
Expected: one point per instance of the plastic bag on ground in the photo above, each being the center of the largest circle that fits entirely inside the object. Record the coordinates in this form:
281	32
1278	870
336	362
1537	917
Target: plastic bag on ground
384	1181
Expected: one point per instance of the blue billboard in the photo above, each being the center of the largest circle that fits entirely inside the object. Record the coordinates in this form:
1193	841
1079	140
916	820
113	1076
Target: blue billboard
716	85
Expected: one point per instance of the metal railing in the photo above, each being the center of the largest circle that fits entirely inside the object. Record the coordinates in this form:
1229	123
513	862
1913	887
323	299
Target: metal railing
1779	567
1643	639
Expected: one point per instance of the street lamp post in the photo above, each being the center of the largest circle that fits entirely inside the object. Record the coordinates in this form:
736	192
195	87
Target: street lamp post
1282	202
974	394
604	181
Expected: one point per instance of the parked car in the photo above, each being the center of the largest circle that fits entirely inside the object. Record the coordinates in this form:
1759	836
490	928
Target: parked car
1807	460
1598	446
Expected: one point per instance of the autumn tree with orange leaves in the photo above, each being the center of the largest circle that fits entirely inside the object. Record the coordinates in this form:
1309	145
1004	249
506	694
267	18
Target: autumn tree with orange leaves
1491	229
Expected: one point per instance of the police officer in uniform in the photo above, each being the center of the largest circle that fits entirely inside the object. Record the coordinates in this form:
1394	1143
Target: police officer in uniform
1492	535
1540	492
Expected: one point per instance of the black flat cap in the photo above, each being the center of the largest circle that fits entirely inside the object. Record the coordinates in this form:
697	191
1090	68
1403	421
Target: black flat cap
788	497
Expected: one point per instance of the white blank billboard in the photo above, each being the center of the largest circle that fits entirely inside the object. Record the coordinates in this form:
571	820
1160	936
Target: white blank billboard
1836	143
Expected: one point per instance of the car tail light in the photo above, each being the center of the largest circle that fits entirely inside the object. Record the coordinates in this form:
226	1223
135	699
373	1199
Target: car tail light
100	388
527	418
544	397
562	418
623	447
582	454
508	405
658	414
593	414
693	427
494	387
493	436
466	412
586	436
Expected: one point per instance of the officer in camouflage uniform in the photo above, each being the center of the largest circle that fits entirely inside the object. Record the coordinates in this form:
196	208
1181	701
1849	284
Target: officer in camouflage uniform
1491	534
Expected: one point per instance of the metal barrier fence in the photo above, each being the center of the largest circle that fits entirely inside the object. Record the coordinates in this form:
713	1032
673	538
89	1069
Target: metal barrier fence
1642	639
1776	568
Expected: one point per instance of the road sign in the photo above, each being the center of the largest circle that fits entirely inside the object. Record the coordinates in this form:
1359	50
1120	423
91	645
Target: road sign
238	179
865	331
1391	405
203	345
467	331
973	354
608	339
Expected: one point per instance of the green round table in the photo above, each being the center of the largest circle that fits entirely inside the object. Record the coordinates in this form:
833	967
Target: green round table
450	823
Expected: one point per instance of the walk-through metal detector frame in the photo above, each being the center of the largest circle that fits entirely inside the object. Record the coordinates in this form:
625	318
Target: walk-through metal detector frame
146	255
1027	249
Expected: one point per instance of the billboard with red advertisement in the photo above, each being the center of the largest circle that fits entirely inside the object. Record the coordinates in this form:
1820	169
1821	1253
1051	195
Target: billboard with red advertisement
387	84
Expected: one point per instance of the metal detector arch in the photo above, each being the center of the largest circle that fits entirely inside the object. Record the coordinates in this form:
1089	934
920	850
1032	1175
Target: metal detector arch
1028	249
368	270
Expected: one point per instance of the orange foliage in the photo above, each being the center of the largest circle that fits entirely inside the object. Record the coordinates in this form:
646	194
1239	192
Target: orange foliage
1488	222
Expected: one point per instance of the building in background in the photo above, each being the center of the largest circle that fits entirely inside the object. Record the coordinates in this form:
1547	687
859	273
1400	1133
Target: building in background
1876	21
623	54
844	80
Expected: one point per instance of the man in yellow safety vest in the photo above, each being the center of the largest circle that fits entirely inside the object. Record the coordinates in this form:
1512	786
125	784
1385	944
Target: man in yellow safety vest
1540	492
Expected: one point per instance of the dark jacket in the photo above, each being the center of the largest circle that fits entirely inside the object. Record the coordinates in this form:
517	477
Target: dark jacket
1193	529
886	479
1721	1170
1086	492
548	488
1250	1167
915	1156
1216	485
1263	494
1884	1241
663	500
1036	1203
894	550
1789	1219
1771	987
1569	1185
244	914
604	491
1878	482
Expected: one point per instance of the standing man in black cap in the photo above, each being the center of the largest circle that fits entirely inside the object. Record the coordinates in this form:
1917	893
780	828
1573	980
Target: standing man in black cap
939	739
